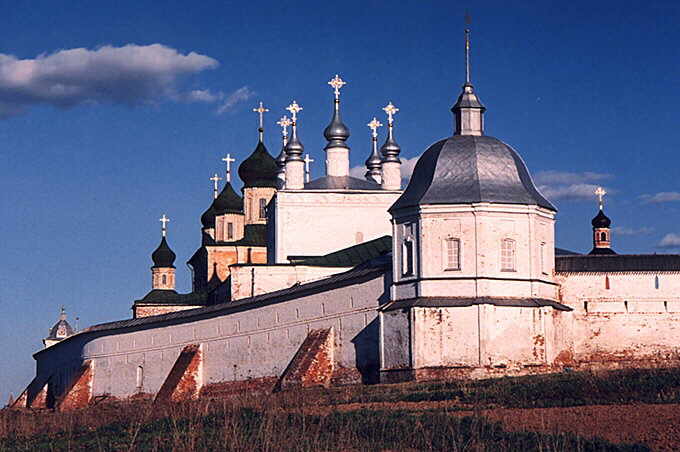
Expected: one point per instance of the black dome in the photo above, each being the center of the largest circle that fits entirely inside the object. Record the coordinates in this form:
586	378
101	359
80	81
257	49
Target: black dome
163	256
228	201
465	169
601	220
208	217
259	169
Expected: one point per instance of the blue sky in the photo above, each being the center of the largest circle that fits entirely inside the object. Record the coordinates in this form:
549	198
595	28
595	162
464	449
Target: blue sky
97	143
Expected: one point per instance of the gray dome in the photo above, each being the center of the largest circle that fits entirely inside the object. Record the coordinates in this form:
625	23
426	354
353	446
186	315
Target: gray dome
465	169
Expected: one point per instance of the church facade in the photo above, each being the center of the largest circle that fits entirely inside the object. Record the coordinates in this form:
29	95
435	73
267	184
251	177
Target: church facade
342	280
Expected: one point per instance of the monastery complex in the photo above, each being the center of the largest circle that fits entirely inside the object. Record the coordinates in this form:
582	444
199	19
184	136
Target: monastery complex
341	280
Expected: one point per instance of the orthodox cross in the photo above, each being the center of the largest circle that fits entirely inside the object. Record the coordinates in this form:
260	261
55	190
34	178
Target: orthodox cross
294	109
391	110
261	110
337	83
284	122
164	220
373	125
468	21
228	160
307	162
215	180
599	192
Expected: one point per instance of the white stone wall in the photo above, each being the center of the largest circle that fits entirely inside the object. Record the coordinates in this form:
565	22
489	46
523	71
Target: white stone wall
318	222
480	230
251	280
251	344
632	319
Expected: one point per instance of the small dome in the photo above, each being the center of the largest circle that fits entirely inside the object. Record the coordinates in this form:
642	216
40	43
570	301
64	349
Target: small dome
228	201
163	256
208	217
465	169
62	329
259	169
336	132
601	220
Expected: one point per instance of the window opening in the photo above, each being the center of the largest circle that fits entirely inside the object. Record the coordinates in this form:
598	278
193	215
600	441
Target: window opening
263	208
508	255
230	231
452	248
407	258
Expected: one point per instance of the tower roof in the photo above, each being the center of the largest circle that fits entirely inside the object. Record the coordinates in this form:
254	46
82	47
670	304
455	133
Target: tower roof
228	201
336	132
62	329
601	220
465	169
259	169
163	256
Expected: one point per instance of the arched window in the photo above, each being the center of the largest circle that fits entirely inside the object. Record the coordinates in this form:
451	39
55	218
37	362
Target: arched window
263	208
230	231
407	258
603	236
140	378
164	279
508	255
452	254
656	282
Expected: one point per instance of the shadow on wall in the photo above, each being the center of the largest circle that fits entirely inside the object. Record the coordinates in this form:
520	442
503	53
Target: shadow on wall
367	352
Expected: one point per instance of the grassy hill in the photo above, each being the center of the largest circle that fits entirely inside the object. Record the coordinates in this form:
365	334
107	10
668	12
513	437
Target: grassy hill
633	410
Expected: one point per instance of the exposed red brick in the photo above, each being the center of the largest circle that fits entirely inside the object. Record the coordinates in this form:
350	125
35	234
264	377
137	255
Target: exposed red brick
312	365
79	392
21	401
40	400
346	376
182	383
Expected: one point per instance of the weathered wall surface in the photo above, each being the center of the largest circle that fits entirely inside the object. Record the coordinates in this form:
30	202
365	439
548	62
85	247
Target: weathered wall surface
256	344
621	317
251	280
338	220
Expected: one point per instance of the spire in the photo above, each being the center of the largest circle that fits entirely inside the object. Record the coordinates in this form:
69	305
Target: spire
284	122
374	162
390	149
261	110
308	160
336	132
468	109
294	147
602	241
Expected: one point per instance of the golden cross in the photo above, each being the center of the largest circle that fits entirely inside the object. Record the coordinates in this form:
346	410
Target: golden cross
284	122
165	220
600	192
261	110
294	109
337	83
373	125
391	110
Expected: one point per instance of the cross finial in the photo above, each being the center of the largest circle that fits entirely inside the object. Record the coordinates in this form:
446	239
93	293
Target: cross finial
164	228
284	122
294	109
216	187
600	192
308	160
391	110
337	83
373	125
468	21
261	110
228	161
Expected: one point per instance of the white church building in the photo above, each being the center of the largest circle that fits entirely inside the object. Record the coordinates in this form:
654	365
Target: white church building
342	280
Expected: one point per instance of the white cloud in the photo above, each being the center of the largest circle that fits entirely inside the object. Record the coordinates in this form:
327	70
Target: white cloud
551	177
664	196
130	75
624	230
569	185
203	95
240	95
407	166
670	240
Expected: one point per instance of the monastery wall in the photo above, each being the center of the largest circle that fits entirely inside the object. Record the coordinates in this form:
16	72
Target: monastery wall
309	223
251	280
621	317
254	346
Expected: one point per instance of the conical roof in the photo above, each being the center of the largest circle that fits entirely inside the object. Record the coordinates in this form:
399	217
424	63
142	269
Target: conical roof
163	256
228	201
259	169
62	329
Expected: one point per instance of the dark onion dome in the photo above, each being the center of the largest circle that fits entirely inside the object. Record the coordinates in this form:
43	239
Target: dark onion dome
465	169
163	256
390	149
208	217
228	201
259	169
62	329
601	220
336	132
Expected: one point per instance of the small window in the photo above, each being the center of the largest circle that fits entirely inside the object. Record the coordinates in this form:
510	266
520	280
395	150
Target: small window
508	255
452	253
263	208
230	231
544	258
407	258
603	237
140	378
164	279
656	282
